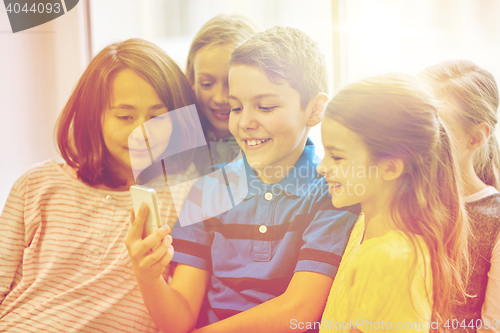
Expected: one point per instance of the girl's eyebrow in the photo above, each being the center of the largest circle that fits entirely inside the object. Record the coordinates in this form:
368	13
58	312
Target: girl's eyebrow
257	97
333	148
131	107
205	74
158	106
123	106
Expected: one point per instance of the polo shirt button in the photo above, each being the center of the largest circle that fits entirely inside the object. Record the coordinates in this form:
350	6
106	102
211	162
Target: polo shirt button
102	234
96	251
268	196
262	229
108	197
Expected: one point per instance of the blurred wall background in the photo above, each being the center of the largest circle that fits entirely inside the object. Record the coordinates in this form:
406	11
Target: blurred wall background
40	66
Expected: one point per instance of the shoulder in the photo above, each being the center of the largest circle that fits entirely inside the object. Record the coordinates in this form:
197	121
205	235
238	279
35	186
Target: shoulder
487	207
391	252
49	178
384	281
39	173
48	166
385	268
220	176
237	166
215	193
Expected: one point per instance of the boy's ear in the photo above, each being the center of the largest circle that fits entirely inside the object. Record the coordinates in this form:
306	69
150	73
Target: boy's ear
391	168
479	136
317	109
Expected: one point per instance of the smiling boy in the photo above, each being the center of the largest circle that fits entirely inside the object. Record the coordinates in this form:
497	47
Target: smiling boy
267	264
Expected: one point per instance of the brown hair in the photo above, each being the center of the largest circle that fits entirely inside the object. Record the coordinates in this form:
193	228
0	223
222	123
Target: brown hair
473	94
286	54
79	131
222	29
396	118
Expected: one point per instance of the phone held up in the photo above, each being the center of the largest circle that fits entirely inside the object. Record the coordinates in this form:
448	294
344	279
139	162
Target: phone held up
142	194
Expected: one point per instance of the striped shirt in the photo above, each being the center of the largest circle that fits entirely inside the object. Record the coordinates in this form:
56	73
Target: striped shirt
274	230
64	266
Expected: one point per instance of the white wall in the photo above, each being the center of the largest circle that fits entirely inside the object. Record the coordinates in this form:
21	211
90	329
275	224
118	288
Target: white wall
38	70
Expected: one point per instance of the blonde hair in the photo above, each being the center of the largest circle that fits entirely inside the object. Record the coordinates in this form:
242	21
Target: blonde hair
473	94
222	29
286	54
396	118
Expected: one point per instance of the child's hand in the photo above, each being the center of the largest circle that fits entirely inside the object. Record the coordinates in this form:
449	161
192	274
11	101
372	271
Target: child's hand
148	264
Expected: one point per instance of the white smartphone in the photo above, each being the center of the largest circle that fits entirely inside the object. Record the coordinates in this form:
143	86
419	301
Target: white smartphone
142	194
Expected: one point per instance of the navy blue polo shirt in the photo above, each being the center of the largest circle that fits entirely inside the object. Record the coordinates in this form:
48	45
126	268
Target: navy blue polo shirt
254	236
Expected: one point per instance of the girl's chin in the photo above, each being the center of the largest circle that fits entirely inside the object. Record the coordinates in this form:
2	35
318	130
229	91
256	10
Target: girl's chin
138	167
219	127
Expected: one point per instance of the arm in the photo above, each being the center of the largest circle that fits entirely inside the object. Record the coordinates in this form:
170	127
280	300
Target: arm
491	307
302	302
174	307
12	245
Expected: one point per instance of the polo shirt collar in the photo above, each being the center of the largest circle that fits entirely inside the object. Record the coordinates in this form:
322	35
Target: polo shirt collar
296	182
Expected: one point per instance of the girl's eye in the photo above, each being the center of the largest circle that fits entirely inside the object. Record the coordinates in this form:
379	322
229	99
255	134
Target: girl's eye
267	108
336	158
124	117
235	109
206	84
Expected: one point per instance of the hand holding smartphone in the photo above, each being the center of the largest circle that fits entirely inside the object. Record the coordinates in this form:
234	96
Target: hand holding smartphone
142	194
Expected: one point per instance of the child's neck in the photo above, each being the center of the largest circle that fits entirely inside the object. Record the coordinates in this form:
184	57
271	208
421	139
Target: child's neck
471	183
220	134
378	217
129	181
377	226
121	188
273	174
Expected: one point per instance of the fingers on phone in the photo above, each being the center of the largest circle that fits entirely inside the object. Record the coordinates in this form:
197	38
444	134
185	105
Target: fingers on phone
167	240
143	213
157	255
138	221
167	228
167	257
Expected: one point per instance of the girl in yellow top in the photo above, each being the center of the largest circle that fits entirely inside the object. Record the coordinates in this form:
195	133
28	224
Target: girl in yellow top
386	149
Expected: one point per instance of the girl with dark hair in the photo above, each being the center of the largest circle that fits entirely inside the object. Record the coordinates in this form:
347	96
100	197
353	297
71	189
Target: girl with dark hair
64	266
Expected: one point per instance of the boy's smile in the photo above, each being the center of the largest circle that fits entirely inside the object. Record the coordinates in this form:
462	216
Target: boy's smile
267	121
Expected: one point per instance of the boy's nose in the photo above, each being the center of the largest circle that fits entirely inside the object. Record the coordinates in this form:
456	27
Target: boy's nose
247	120
321	168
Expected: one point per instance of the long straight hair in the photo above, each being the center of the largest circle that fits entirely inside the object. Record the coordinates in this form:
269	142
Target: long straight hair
222	29
472	93
396	118
79	131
